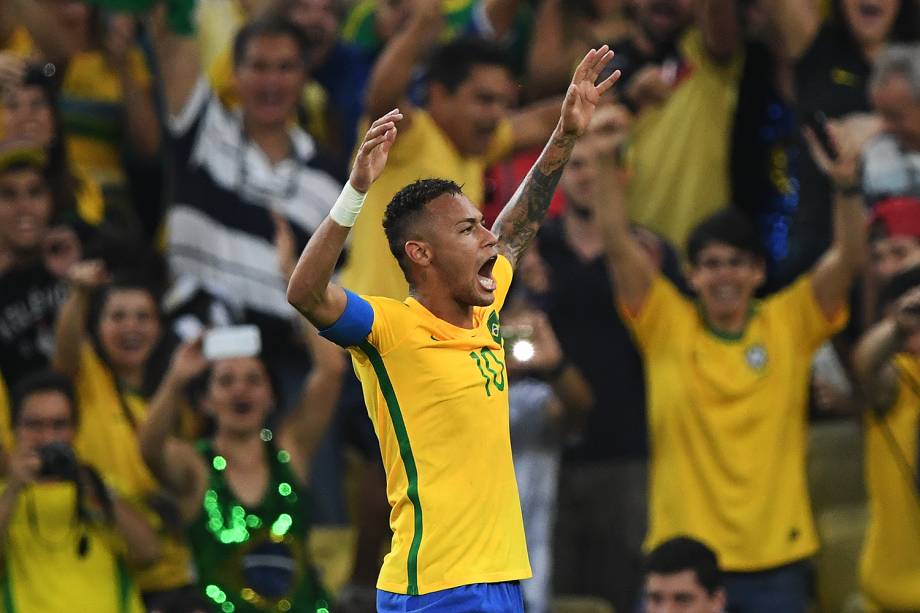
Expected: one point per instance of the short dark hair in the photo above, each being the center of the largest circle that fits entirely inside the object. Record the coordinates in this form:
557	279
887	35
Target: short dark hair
452	64
404	210
37	382
685	553
729	226
898	285
270	25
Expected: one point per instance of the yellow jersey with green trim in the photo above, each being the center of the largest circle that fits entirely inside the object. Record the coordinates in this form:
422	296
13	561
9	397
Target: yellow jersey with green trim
890	564
43	571
438	397
727	424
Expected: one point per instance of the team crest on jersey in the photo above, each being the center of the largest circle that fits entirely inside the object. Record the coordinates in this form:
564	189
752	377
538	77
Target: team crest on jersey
495	328
756	356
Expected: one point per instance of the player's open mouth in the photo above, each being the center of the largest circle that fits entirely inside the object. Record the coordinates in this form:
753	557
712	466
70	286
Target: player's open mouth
485	275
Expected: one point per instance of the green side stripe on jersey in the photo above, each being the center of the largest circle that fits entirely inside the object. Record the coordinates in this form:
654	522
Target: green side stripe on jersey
405	452
8	605
124	586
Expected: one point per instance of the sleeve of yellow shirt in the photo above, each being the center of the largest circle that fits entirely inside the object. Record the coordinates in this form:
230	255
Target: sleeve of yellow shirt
664	308
799	306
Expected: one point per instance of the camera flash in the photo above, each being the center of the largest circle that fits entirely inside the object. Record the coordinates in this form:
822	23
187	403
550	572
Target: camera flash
522	351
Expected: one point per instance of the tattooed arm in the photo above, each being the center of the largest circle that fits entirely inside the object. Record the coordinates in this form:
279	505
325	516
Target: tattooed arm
519	221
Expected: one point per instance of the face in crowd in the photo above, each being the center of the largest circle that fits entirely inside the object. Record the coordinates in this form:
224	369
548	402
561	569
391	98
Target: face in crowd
725	279
318	21
579	179
25	209
239	395
129	327
664	20
899	106
45	416
680	592
870	21
471	113
269	80
27	115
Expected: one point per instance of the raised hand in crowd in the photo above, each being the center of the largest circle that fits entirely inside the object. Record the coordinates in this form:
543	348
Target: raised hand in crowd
12	69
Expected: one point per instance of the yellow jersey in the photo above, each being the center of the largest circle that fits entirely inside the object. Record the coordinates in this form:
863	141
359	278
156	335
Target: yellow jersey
438	398
43	572
727	424
422	152
107	440
92	106
890	565
6	418
686	139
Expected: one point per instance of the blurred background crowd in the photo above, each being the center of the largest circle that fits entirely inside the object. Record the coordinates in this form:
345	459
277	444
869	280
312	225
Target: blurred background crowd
163	162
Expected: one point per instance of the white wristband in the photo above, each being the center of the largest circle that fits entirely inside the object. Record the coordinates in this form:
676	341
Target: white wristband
346	208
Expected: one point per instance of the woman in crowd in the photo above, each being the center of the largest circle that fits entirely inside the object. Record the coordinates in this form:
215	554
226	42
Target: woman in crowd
29	113
243	493
109	341
106	96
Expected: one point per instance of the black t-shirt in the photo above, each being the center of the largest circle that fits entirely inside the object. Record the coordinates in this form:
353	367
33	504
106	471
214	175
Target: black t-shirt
582	311
765	156
30	297
832	77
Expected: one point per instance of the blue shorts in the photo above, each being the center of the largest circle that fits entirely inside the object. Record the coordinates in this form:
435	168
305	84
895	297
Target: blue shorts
505	597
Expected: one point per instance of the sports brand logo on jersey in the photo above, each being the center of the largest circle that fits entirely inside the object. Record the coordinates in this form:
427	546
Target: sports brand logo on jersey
756	356
495	328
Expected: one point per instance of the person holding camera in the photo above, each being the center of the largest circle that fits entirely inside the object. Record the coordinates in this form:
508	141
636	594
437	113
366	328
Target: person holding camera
887	362
65	535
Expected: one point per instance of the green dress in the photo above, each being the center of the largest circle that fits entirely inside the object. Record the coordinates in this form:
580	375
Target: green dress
255	559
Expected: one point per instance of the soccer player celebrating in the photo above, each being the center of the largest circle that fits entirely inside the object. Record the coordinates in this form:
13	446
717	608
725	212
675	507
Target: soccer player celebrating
433	368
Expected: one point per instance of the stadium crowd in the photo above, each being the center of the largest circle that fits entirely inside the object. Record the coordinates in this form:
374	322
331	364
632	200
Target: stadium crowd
712	348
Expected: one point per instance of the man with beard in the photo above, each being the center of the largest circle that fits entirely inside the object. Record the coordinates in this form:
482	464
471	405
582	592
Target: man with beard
683	71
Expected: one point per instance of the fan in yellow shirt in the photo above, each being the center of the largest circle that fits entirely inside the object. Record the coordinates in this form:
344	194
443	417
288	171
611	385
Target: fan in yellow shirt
110	376
888	364
727	379
433	367
64	532
464	127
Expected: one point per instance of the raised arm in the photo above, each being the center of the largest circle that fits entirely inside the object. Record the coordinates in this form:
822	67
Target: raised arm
310	290
174	463
797	21
500	14
386	88
305	425
872	358
177	59
142	543
519	221
721	27
307	422
40	17
70	327
141	121
835	272
630	265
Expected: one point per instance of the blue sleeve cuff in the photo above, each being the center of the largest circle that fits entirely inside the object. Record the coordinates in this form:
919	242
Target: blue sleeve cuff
354	325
